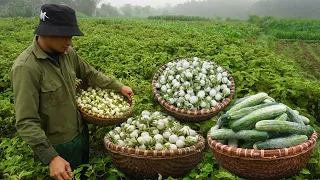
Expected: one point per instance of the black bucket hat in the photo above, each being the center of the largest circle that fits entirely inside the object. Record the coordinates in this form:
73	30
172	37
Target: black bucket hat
57	20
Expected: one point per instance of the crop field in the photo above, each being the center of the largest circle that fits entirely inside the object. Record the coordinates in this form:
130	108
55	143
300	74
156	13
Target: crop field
132	50
299	29
305	54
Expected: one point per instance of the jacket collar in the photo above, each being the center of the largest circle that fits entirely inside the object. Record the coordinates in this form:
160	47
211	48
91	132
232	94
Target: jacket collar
38	52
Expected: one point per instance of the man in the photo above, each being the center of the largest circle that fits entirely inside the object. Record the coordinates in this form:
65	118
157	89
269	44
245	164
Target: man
43	80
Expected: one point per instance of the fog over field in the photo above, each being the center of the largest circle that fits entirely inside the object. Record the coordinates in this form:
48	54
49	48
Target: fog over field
234	9
153	3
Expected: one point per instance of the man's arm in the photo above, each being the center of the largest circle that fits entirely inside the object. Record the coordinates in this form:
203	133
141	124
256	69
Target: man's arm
26	88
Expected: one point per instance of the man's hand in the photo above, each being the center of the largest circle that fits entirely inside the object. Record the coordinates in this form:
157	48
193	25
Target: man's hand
127	91
60	169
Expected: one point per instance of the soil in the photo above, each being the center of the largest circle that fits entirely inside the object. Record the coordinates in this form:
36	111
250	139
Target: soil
307	61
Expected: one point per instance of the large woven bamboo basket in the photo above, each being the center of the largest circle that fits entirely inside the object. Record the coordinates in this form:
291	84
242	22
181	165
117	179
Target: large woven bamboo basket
263	164
103	120
148	164
191	115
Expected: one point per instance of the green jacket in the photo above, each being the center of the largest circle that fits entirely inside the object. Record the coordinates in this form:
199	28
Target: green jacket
44	97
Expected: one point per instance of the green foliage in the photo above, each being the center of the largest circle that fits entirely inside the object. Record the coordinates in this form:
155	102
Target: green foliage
179	18
132	51
17	161
81	15
302	29
286	8
22	8
106	10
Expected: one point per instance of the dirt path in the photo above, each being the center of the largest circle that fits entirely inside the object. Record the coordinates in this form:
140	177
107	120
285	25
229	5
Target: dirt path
309	56
300	53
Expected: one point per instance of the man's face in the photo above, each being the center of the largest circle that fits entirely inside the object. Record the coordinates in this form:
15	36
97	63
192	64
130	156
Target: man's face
58	44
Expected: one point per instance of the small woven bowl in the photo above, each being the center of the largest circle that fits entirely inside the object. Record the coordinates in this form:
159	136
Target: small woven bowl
263	164
148	164
191	115
103	120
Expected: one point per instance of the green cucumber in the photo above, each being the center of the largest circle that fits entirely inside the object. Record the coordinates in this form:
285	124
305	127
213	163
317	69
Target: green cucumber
296	112
248	135
248	145
304	119
273	134
240	100
282	117
250	101
252	135
284	126
222	141
293	116
245	111
267	101
249	121
223	134
213	128
270	99
233	143
281	142
223	120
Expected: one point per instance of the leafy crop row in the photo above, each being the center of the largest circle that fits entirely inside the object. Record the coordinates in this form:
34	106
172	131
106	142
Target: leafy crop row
133	50
179	18
302	29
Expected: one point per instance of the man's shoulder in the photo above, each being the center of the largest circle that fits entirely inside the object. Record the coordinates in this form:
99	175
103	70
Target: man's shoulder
71	51
25	59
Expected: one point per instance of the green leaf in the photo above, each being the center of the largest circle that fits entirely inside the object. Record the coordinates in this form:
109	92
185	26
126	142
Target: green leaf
208	168
193	174
112	177
305	171
78	170
313	161
224	174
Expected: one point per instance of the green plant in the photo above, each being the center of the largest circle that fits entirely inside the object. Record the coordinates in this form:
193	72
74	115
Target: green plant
132	50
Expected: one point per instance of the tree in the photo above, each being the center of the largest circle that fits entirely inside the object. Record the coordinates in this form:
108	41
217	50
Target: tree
87	7
23	8
147	11
137	11
127	10
107	10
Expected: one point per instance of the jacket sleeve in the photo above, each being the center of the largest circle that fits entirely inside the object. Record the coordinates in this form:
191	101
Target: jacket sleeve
26	101
93	77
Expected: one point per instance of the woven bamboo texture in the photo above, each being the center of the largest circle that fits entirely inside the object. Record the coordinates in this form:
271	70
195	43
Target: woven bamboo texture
191	115
148	164
263	164
104	120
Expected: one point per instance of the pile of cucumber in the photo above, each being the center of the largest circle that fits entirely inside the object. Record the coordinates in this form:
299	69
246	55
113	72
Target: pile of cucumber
259	122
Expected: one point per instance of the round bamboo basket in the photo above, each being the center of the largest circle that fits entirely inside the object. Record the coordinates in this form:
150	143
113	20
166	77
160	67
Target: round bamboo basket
104	120
191	115
263	164
148	164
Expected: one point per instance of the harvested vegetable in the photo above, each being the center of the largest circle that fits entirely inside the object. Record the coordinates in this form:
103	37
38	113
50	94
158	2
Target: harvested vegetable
153	131
258	122
102	101
194	84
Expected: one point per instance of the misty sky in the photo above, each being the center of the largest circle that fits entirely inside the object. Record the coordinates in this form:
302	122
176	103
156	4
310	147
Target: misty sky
153	3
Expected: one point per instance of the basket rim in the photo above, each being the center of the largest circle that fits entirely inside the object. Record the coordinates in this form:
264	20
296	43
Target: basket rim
107	117
155	153
252	154
175	109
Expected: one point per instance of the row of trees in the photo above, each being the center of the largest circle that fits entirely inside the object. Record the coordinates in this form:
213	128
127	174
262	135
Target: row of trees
107	10
239	9
29	8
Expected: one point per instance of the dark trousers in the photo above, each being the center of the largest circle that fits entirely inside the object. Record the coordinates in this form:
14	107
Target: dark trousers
76	152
